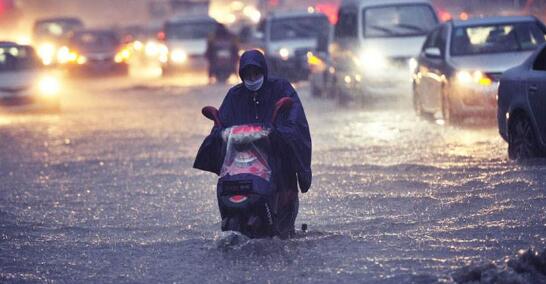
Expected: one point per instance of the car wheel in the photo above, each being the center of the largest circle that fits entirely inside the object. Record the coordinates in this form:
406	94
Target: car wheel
449	116
522	142
417	105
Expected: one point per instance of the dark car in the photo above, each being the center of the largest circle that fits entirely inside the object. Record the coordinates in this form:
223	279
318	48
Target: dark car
287	38
460	64
522	107
50	34
96	51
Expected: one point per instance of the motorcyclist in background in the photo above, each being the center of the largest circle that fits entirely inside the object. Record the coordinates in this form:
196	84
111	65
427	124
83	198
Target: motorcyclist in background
222	54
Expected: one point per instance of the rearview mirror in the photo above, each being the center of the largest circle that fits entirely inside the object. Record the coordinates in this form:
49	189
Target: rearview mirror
433	52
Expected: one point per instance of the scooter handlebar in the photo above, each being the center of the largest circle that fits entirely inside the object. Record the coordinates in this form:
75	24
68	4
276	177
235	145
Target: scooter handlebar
212	114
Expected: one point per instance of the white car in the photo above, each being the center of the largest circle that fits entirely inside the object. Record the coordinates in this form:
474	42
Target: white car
185	40
374	43
23	82
461	62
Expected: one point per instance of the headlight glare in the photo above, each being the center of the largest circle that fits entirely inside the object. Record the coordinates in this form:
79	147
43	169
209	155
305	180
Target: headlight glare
49	86
476	77
46	52
284	53
412	63
179	56
372	60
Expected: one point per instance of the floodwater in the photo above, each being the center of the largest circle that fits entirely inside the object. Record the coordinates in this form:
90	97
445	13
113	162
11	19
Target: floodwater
105	192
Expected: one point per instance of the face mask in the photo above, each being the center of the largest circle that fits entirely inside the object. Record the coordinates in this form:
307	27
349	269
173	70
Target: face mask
254	85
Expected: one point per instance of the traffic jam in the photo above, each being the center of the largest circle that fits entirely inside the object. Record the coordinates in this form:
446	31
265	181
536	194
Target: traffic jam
362	141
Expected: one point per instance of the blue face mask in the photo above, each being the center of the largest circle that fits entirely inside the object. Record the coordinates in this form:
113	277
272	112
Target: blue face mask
254	85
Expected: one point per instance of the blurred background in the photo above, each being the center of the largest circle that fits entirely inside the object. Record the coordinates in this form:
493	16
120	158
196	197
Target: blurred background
17	16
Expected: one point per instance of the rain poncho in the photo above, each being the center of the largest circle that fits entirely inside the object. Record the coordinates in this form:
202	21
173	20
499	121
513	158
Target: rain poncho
290	138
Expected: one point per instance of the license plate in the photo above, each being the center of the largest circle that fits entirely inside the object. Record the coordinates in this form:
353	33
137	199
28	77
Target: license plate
237	186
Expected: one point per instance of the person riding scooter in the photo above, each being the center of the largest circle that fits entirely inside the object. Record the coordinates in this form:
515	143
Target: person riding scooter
222	54
253	102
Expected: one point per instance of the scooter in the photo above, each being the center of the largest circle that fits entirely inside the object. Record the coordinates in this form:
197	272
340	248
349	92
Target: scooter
246	190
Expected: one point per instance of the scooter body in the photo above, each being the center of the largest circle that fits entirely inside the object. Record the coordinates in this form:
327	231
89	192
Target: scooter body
246	190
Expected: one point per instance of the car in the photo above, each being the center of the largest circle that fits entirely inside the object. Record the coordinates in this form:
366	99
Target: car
23	81
373	46
521	112
287	38
95	51
460	64
50	34
185	40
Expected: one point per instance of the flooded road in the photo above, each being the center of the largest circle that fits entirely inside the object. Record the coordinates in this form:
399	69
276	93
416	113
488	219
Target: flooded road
105	192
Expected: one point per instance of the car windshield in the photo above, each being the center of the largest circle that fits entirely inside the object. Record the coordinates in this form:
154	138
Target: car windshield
57	28
496	38
15	58
398	20
299	28
95	40
197	30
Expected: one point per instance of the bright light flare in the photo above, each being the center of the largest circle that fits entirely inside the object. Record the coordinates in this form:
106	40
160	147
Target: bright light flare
313	59
138	45
252	13
46	52
151	49
412	63
122	56
24	40
49	86
65	55
476	77
179	56
371	60
284	53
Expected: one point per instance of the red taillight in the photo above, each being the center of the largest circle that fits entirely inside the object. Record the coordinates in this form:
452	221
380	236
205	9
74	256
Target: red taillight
161	36
238	198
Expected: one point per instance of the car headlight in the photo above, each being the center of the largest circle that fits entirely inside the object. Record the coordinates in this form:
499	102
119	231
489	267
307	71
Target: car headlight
412	64
46	52
151	49
49	86
476	77
371	60
284	53
178	56
65	55
122	56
